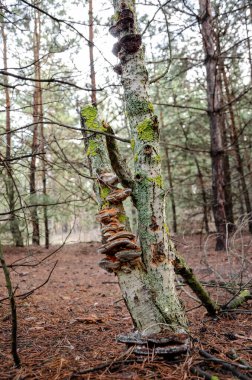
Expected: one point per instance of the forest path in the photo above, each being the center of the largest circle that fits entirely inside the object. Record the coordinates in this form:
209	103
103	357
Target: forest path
70	323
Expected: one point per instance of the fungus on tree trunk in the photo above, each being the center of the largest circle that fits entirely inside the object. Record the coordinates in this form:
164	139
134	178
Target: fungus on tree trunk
119	244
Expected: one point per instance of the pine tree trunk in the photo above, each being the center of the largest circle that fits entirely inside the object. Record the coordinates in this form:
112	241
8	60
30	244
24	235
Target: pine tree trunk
235	143
216	122
169	172
171	189
35	142
10	188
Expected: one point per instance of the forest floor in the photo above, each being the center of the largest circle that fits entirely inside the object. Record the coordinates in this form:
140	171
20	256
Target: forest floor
67	328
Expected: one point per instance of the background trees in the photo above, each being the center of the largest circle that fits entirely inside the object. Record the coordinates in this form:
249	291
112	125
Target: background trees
46	78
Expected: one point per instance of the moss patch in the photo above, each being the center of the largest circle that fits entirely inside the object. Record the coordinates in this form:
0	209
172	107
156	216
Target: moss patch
92	148
166	228
104	192
132	144
150	106
145	130
122	218
157	158
158	180
89	113
136	157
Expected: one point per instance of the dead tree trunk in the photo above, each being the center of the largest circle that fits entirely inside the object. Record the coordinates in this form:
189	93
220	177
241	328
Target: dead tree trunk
10	186
216	121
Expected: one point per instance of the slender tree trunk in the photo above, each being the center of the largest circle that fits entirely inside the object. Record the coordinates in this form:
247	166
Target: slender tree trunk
44	168
169	172
227	175
216	122
173	204
200	175
35	141
10	188
235	143
42	144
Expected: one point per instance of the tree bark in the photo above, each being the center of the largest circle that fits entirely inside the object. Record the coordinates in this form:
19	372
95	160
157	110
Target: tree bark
10	186
216	121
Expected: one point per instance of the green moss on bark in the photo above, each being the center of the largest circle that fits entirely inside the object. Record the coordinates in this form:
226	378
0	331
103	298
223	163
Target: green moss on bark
132	144
104	192
145	130
158	180
89	113
157	159
92	148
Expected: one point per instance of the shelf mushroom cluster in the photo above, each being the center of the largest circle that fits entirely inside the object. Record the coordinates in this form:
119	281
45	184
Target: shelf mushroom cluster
128	43
120	245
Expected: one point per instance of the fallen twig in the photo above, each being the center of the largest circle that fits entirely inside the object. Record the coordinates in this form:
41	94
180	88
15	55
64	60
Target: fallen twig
226	365
109	364
205	375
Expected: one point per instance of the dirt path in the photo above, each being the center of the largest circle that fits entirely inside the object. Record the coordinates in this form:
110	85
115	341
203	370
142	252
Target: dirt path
70	324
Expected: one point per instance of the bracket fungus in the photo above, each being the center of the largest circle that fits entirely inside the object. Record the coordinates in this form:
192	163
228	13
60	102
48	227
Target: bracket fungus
118	69
129	44
120	246
108	179
125	21
118	195
165	344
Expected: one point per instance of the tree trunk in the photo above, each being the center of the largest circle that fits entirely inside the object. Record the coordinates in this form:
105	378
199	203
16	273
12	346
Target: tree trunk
235	143
200	175
173	204
132	276
170	179
35	142
10	186
216	122
148	193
